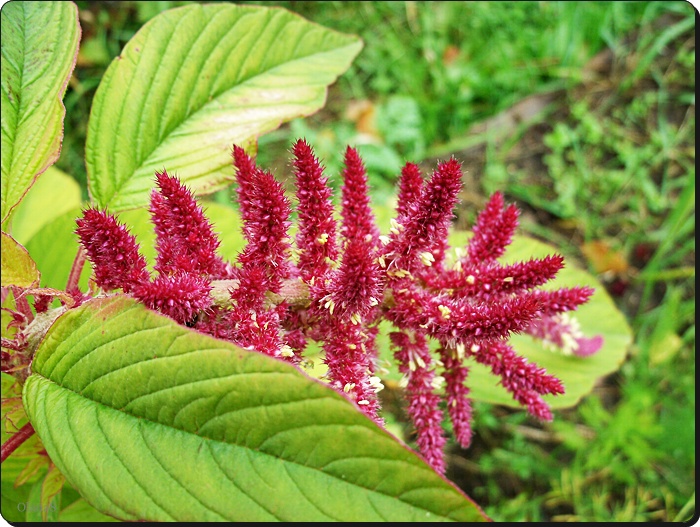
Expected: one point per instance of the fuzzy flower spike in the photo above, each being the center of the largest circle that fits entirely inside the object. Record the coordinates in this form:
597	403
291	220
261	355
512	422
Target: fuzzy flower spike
353	293
264	261
185	240
316	238
112	250
186	247
447	313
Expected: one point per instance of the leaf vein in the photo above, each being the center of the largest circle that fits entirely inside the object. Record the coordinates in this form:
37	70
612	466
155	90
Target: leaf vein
126	468
167	471
241	489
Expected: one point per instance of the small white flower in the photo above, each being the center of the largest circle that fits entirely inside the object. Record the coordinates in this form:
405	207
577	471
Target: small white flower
427	258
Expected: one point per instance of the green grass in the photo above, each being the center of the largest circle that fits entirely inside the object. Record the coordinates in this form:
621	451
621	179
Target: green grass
612	158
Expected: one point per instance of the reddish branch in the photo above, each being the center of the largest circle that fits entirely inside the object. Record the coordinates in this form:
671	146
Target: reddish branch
16	440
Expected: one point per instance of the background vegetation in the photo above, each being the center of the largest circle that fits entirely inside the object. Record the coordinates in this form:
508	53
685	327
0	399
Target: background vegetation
584	114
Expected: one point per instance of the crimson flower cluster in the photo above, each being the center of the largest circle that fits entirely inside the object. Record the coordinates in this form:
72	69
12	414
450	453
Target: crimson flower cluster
336	280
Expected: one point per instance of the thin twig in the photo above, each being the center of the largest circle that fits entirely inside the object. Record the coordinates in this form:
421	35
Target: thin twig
75	271
21	303
16	440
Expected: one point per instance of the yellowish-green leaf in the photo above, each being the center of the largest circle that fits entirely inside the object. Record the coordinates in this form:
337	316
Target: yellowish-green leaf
50	488
53	194
196	80
54	246
150	420
17	267
39	49
36	509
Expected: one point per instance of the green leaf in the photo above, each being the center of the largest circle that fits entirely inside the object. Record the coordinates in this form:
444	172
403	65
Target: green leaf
31	469
194	81
53	194
150	420
599	316
54	246
14	500
81	511
39	49
50	491
41	507
18	472
17	267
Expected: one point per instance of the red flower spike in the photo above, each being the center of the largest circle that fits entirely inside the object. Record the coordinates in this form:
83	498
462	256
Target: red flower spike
180	296
410	187
356	288
251	288
564	332
563	299
426	229
525	381
358	219
493	231
454	321
246	171
112	250
350	365
252	325
492	279
457	397
316	237
413	356
259	331
265	211
185	241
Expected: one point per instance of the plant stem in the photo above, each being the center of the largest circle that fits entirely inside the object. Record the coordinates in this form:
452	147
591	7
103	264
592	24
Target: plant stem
74	276
16	440
12	344
22	304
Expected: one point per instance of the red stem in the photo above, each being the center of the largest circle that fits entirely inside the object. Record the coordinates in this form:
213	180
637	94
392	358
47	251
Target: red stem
13	344
16	440
74	276
22	304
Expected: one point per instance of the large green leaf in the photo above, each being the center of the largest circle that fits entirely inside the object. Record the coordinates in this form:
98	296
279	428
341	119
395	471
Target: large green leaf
194	81
153	421
39	49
